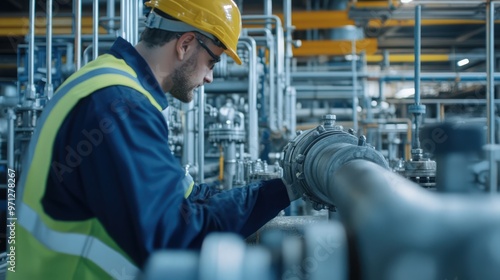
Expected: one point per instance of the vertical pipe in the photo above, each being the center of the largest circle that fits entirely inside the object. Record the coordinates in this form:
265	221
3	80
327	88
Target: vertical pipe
132	12
490	91
10	137
253	125
201	134
287	6
354	86
31	90
229	164
280	54
111	16
418	33
130	21
272	86
293	113
268	11
49	88
95	31
418	46
78	33
490	70
123	19
188	157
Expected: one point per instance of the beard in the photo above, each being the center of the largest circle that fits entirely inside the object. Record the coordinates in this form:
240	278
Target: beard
182	88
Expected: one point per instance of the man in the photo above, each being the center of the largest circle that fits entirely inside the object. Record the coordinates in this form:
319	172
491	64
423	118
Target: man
100	189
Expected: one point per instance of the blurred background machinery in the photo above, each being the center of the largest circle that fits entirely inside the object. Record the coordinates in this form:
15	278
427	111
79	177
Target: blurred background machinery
383	113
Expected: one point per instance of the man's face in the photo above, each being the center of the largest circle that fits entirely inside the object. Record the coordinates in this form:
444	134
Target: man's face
195	71
183	81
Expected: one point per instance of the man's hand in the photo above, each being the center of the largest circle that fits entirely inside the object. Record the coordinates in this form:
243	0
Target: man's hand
294	191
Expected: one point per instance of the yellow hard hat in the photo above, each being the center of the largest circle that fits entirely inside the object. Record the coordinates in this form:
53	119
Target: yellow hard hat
219	18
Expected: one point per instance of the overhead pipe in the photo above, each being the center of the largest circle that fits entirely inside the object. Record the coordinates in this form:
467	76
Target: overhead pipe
444	76
49	87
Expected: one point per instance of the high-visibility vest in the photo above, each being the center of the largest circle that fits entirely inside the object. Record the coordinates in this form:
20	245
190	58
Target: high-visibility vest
51	249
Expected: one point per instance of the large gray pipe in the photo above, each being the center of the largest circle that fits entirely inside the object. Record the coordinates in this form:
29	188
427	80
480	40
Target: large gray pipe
398	229
31	90
402	231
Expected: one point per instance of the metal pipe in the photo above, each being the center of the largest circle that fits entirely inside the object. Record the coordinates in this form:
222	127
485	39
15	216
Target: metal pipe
279	43
268	11
281	86
123	20
49	88
110	12
403	76
95	30
490	92
410	222
418	46
253	137
11	116
78	33
31	90
290	118
270	44
355	99
188	152
201	134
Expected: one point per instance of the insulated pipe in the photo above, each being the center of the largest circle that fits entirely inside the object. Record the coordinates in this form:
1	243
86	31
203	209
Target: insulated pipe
78	33
95	30
253	125
490	91
31	90
49	88
201	134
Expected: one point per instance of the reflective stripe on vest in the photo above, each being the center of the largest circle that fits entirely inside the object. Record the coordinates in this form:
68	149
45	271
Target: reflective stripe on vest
100	73
76	244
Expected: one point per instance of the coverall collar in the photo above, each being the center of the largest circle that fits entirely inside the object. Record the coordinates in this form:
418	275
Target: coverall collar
124	50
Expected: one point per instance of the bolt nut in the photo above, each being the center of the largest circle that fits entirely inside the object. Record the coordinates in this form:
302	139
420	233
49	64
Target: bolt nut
300	158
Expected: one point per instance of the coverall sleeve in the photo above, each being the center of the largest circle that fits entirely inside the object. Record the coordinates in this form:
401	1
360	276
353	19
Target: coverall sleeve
133	184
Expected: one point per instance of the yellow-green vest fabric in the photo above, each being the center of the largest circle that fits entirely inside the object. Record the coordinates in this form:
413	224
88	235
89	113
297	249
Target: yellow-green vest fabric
38	256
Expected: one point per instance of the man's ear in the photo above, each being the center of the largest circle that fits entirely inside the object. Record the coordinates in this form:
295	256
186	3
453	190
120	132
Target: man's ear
184	44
